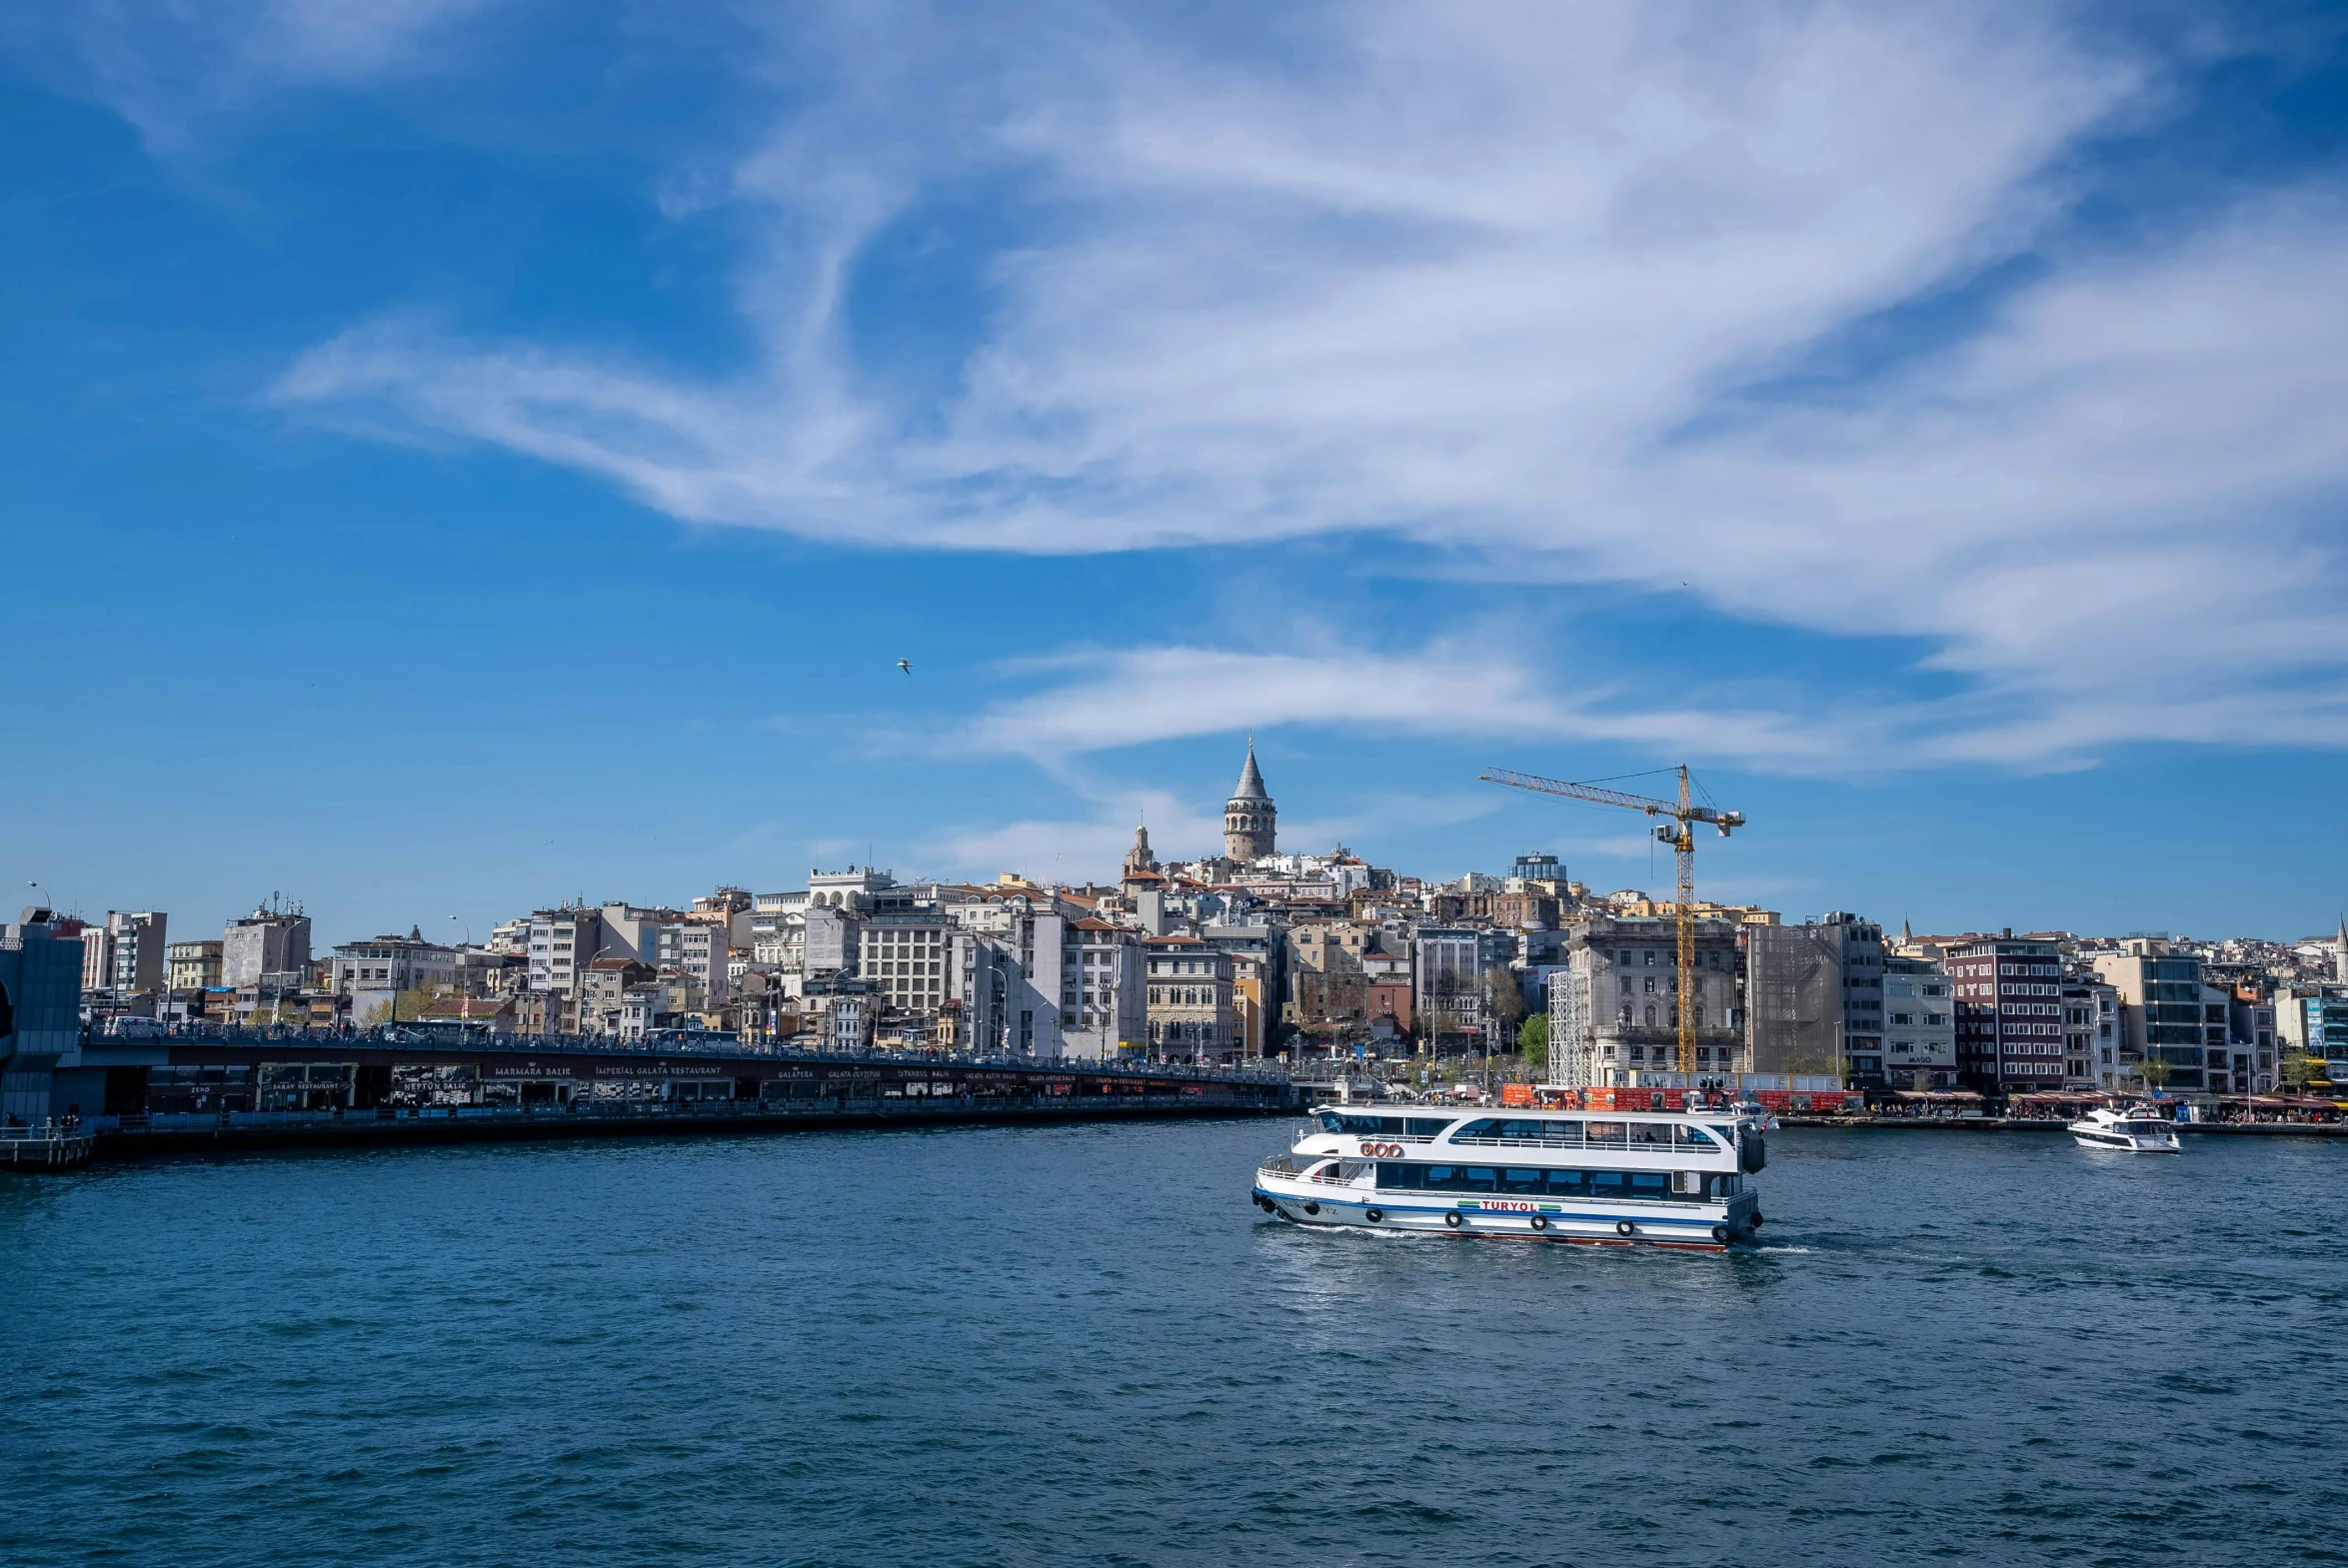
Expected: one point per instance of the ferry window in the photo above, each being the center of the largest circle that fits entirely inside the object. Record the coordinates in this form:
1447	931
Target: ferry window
1652	1184
1513	1180
1341	1122
1478	1178
1608	1184
1426	1127
1693	1138
1608	1132
1650	1132
1404	1176
1569	1183
1520	1127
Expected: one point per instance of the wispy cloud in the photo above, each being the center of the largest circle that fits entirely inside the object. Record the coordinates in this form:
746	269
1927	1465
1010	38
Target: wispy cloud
1089	847
170	67
1129	697
1526	281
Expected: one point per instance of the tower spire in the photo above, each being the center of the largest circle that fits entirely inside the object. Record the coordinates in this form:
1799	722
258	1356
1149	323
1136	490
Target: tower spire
1249	817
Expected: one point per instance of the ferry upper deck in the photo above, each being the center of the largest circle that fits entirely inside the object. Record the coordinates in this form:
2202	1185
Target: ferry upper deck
1723	1139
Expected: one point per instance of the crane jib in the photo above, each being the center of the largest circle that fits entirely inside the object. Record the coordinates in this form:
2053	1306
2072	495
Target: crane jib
1683	812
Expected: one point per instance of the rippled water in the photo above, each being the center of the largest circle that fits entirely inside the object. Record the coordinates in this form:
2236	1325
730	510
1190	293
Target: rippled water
1084	1346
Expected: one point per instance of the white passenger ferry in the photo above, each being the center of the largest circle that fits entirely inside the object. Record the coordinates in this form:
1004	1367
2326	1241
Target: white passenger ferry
1603	1177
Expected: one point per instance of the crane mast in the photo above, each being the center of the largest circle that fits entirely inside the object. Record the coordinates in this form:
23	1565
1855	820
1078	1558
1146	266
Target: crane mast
1679	834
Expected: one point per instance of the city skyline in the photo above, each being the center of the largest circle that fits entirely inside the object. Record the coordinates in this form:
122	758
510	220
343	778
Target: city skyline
469	455
1210	840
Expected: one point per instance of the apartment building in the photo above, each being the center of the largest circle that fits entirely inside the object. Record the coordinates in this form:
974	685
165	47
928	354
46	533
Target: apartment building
1919	1024
2170	1015
374	972
1615	1003
1104	997
1192	1014
901	956
1798	1000
269	941
194	965
126	951
2091	1031
563	943
2009	1014
699	949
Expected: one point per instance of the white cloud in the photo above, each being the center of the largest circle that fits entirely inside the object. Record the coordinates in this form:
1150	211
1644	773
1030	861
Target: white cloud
1130	696
1078	850
169	66
1492	278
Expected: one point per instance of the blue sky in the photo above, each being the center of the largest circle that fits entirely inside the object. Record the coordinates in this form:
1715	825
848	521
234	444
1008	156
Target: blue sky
469	453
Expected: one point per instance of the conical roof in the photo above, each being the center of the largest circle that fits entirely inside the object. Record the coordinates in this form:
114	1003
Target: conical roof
1251	780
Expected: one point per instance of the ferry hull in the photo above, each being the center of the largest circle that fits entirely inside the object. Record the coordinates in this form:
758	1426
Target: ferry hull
1699	1228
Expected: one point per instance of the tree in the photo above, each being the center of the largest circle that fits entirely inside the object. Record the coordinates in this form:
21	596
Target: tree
2295	1071
2153	1071
403	1006
1533	1040
1504	1004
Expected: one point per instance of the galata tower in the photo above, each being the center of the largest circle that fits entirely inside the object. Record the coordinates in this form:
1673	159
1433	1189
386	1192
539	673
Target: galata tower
1249	816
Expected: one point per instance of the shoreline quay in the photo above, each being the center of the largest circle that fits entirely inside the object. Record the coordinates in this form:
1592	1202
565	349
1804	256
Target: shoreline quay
2248	1130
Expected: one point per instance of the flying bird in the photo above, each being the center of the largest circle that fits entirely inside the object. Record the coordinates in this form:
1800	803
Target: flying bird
905	665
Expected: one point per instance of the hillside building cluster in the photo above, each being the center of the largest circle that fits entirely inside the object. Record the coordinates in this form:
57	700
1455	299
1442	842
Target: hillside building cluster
1258	953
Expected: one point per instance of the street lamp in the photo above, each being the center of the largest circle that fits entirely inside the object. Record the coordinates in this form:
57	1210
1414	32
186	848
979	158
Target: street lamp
464	989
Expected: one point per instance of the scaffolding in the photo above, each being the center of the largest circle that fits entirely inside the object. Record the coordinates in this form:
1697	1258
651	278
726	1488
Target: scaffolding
1573	1038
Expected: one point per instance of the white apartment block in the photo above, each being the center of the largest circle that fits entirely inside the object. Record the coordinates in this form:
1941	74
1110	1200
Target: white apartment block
699	949
372	972
1919	1024
563	943
903	957
125	952
1103	1002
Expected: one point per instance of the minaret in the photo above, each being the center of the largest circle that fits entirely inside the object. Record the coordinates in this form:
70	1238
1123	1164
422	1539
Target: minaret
2340	953
1249	816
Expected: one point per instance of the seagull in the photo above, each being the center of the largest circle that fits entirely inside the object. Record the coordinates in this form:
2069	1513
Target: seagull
905	665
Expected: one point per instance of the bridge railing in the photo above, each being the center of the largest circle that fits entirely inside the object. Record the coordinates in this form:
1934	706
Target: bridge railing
723	1048
591	1110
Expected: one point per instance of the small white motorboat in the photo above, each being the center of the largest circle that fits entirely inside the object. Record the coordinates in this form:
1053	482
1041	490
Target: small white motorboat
2136	1132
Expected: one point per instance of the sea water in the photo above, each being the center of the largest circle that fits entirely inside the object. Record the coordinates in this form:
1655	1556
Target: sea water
1085	1345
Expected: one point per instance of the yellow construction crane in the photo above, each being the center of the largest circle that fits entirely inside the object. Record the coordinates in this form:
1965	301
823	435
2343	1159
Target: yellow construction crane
1680	836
